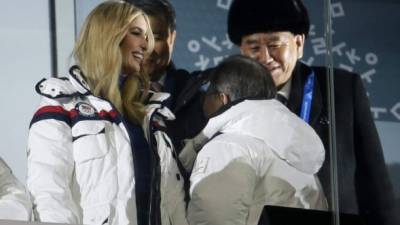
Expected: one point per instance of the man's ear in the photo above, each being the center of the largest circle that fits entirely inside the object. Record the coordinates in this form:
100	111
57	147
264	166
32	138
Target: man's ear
224	98
171	39
242	49
299	41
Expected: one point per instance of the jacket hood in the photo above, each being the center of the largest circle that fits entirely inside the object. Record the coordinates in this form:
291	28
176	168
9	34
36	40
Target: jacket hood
289	137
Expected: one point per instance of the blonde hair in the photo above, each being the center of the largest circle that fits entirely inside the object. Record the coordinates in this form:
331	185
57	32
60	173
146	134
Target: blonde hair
97	52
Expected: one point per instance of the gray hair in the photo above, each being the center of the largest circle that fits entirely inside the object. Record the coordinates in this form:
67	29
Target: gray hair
241	77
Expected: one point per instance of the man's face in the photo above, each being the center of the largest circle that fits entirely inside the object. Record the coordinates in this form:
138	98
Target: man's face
277	51
157	62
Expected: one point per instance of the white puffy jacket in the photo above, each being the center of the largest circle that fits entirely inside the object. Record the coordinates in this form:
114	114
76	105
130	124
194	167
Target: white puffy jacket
14	199
170	181
80	162
258	153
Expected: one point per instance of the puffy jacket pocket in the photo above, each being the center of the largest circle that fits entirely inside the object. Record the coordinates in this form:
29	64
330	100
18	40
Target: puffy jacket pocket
89	141
96	215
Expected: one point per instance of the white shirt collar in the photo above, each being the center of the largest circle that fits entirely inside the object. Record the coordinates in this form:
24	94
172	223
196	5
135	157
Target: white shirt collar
285	90
162	79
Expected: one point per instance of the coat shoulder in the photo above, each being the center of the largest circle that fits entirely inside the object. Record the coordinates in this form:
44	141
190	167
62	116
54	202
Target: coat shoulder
55	88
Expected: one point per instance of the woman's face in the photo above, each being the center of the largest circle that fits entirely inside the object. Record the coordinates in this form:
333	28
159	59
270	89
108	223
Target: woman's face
134	46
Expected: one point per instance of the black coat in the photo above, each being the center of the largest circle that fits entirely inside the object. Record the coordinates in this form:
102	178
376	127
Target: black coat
175	82
188	109
364	184
185	102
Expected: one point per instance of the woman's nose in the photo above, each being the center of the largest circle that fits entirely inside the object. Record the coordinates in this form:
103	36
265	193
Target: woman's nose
144	43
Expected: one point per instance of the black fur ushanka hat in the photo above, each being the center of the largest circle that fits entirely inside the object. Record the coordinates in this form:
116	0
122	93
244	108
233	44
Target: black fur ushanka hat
257	16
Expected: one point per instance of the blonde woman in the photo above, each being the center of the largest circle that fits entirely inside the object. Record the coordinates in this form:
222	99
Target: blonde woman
82	160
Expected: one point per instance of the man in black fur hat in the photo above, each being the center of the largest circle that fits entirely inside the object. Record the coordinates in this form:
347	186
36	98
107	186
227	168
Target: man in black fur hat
273	32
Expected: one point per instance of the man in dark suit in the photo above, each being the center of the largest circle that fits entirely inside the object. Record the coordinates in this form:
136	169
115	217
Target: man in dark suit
273	32
165	77
163	74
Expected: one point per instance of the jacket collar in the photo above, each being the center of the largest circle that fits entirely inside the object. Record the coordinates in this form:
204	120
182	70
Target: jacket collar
271	122
299	78
78	80
156	104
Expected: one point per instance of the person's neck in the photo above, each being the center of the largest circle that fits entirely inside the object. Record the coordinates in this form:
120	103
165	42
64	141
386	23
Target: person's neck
159	76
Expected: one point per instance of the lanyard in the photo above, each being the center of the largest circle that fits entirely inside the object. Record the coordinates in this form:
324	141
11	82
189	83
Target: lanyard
307	98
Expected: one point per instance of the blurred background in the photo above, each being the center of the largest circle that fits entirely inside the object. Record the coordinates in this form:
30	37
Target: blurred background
37	37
